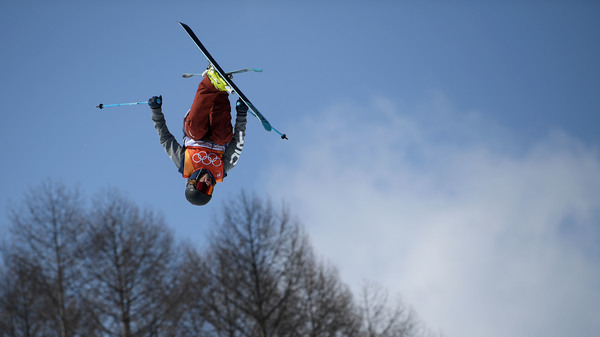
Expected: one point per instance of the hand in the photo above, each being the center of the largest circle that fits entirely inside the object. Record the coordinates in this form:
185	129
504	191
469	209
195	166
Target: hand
155	102
241	107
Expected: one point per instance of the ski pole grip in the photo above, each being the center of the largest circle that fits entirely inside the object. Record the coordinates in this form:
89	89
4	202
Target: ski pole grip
100	106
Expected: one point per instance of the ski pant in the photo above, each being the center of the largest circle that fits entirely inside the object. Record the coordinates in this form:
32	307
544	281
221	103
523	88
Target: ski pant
210	115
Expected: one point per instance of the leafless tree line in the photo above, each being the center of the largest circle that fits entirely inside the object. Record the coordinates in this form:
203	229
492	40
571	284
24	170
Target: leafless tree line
109	268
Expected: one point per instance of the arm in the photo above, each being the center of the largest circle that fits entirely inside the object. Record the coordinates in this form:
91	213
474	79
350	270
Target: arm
235	147
167	140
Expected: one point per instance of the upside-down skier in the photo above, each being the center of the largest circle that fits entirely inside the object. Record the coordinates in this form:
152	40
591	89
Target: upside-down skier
211	145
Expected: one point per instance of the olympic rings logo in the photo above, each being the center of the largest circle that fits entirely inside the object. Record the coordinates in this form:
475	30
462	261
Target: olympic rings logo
206	158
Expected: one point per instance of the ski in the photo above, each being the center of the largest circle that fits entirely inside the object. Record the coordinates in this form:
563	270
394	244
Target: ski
266	125
258	70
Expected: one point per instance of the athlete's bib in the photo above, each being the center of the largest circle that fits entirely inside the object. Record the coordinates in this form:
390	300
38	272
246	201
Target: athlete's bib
200	157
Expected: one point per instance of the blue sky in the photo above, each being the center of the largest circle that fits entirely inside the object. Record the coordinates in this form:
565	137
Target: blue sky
449	152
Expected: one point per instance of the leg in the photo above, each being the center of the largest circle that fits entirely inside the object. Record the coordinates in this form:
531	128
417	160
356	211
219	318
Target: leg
221	131
210	115
196	123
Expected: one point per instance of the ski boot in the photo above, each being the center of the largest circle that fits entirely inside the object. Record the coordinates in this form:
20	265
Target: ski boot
217	80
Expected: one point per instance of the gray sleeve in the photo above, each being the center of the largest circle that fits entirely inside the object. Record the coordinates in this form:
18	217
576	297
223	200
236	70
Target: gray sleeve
167	140
235	147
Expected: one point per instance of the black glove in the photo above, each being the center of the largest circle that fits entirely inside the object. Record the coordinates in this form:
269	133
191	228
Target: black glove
155	102
241	107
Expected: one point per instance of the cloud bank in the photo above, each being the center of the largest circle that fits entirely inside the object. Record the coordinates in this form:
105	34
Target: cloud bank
483	233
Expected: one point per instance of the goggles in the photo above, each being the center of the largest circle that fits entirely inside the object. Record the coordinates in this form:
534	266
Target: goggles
206	189
200	185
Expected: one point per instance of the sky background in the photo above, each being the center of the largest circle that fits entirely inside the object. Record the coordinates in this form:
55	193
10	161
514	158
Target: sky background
449	152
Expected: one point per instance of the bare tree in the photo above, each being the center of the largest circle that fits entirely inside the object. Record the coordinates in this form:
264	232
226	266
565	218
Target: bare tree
254	265
326	306
45	236
383	318
115	270
130	263
191	307
21	306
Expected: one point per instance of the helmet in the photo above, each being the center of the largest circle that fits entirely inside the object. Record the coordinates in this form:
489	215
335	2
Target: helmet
197	193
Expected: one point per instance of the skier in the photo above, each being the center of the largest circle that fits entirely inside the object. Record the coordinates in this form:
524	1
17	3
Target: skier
211	147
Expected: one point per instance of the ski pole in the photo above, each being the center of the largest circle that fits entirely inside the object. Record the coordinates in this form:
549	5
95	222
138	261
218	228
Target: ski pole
101	106
258	70
283	135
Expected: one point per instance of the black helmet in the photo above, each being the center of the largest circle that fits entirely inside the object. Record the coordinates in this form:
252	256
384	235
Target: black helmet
198	193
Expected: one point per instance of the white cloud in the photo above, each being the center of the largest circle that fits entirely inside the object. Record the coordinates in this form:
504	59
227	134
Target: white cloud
484	236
